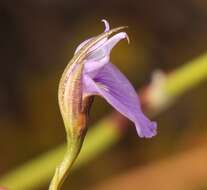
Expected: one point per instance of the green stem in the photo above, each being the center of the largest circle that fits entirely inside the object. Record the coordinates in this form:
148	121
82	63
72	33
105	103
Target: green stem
61	172
186	77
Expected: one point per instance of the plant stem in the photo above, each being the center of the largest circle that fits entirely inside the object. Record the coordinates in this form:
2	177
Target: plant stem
186	77
61	172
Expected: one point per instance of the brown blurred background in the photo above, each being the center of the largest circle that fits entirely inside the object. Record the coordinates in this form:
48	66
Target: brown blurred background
38	37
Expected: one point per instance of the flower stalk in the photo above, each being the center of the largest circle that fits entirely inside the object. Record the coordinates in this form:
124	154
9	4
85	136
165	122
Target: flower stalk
61	172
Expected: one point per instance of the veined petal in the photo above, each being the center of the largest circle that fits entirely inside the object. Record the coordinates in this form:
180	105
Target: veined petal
102	53
100	57
113	86
92	68
111	42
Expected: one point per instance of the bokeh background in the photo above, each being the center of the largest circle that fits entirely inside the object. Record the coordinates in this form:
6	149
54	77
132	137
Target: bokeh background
38	38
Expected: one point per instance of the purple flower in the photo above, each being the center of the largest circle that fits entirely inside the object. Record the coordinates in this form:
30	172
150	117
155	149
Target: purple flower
100	77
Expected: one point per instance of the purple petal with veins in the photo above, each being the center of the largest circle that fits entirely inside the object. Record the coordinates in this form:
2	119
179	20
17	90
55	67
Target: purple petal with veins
113	86
102	78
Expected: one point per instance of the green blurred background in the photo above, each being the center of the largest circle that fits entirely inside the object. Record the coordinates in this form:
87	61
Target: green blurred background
38	38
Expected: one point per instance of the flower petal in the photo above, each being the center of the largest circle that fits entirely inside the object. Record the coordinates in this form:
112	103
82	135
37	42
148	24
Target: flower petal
103	51
112	85
91	68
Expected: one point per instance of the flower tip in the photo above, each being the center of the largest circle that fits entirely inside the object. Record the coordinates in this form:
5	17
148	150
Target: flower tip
153	128
107	26
123	35
147	131
127	37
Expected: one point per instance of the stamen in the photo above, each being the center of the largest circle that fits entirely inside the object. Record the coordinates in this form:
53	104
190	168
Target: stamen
107	27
